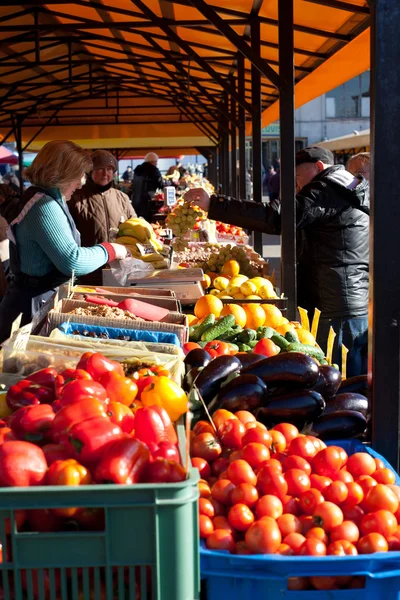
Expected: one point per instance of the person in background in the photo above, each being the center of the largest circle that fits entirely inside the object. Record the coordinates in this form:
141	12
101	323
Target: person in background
98	208
359	164
269	173
146	180
127	175
45	245
332	220
274	185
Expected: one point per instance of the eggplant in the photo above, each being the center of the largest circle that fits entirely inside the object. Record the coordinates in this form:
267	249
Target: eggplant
209	380
328	382
297	407
347	401
248	358
190	377
340	425
289	369
357	384
245	392
197	358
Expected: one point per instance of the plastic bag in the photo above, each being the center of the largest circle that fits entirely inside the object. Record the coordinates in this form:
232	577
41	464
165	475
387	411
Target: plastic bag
130	268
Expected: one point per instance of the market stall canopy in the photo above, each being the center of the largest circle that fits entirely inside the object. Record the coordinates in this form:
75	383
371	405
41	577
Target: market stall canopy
148	73
7	157
356	141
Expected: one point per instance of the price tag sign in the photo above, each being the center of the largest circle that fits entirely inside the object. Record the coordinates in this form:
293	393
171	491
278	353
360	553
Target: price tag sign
16	324
145	249
169	195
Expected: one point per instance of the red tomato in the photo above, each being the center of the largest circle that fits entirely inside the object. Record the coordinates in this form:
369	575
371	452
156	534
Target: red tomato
263	536
274	463
271	481
313	547
381	521
342	548
290	505
235	455
336	492
319	444
206	526
373	542
278	441
258	435
221	539
309	500
297	583
320	482
269	506
307	523
219	508
355	494
266	347
288	524
295	541
245	493
380	496
240	517
202	465
297	462
298	482
361	463
327	515
221	348
206	508
318	533
245	416
379	463
327	462
384	476
242	549
203	427
285	550
219	465
302	446
207	446
288	430
221	415
324	583
352	513
222	490
255	454
231	433
189	346
344	476
222	522
204	489
345	531
239	471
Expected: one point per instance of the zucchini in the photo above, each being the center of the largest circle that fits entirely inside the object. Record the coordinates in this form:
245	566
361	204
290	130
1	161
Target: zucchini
312	351
292	337
211	333
200	329
244	348
265	332
247	335
280	341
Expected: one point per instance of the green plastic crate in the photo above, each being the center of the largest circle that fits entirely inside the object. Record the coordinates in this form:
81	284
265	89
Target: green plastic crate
147	549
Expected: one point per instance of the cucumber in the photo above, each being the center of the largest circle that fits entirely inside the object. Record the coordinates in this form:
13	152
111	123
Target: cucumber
200	329
253	343
323	361
231	334
312	351
234	346
247	335
280	341
292	337
265	332
244	348
217	329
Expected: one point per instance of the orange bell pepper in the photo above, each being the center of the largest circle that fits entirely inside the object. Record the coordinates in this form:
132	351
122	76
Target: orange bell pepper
121	415
67	472
119	388
164	392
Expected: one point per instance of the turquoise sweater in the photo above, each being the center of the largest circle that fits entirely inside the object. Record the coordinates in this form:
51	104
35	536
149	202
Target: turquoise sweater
44	240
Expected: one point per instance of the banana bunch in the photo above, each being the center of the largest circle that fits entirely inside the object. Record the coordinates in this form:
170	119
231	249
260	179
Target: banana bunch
137	231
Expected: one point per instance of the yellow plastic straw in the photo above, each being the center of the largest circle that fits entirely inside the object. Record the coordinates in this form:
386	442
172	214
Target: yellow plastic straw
344	361
315	322
329	348
305	323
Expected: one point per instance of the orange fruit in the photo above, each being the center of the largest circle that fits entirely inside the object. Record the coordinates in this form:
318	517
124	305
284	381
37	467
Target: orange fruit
206	282
207	305
231	268
255	315
305	337
282	329
237	311
192	320
273	316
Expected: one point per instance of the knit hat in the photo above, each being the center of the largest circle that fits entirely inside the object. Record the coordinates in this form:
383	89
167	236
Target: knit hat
151	157
102	159
313	154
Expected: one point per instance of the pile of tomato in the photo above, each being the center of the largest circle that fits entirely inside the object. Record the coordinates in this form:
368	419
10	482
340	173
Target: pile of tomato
281	492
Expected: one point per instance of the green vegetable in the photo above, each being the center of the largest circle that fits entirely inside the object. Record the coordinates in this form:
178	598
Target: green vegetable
334	365
323	361
280	341
217	329
231	334
265	332
244	348
292	337
312	351
195	335
234	346
247	335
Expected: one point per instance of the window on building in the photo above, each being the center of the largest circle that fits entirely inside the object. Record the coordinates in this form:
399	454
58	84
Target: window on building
350	100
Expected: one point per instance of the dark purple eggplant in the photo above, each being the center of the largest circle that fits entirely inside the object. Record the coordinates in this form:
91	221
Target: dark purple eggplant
298	407
190	377
197	358
248	359
289	369
209	380
246	392
357	384
328	382
340	425
347	401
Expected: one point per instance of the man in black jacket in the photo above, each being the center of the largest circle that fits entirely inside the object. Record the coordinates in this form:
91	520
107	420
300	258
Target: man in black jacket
332	218
146	180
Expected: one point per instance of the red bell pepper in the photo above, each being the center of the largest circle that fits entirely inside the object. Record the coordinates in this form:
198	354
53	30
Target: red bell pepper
89	439
27	393
6	435
169	428
142	382
149	427
32	423
97	365
80	389
162	470
43	520
121	415
55	452
119	388
168	451
75	413
21	464
67	376
91	519
44	377
67	472
124	462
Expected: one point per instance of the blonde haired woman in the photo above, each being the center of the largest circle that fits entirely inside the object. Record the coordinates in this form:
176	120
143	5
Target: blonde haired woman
45	244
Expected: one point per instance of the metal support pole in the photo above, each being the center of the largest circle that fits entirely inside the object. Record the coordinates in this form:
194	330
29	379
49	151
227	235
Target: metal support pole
233	190
288	178
384	335
227	150
18	136
242	130
256	130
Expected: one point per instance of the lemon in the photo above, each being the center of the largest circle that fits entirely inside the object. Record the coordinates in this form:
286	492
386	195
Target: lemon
221	283
253	297
247	288
214	292
259	281
239	296
223	295
267	291
232	290
238	280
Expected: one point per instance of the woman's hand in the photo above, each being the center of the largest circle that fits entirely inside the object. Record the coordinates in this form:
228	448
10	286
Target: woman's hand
198	197
121	251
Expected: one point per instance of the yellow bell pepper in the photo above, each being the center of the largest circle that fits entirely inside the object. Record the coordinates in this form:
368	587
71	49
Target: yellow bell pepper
164	392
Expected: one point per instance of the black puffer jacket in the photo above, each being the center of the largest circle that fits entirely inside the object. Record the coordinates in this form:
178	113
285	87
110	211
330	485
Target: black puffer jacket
146	180
333	240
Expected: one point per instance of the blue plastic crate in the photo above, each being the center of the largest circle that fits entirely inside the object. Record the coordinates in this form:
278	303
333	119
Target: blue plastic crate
135	335
265	577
